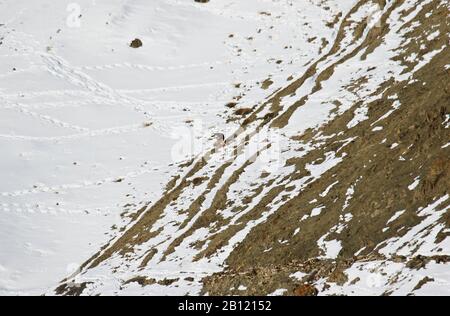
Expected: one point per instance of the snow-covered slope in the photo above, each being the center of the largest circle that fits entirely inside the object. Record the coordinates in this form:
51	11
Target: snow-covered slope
336	114
77	102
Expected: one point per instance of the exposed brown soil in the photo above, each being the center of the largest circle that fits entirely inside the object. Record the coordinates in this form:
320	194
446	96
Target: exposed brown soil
372	167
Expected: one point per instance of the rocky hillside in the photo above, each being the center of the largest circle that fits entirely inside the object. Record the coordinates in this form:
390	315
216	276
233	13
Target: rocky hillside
336	183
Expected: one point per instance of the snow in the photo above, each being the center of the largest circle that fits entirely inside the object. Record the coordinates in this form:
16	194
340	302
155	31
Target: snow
360	251
73	115
343	221
447	121
348	196
327	190
376	278
298	275
317	211
420	240
395	216
182	262
331	161
360	115
424	61
279	292
433	36
330	248
414	185
177	75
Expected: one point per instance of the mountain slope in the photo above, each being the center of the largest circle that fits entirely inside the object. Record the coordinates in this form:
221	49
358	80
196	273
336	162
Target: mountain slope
352	197
93	129
334	177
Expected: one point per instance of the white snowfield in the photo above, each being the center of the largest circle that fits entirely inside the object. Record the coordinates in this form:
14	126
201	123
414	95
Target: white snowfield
91	127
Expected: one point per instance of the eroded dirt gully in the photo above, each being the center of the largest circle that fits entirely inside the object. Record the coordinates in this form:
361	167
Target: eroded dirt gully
377	165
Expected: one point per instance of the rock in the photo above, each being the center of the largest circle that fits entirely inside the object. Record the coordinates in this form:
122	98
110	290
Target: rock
136	43
243	111
417	263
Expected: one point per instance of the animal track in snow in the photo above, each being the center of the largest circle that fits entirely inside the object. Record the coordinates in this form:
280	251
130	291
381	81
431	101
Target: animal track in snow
42	188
